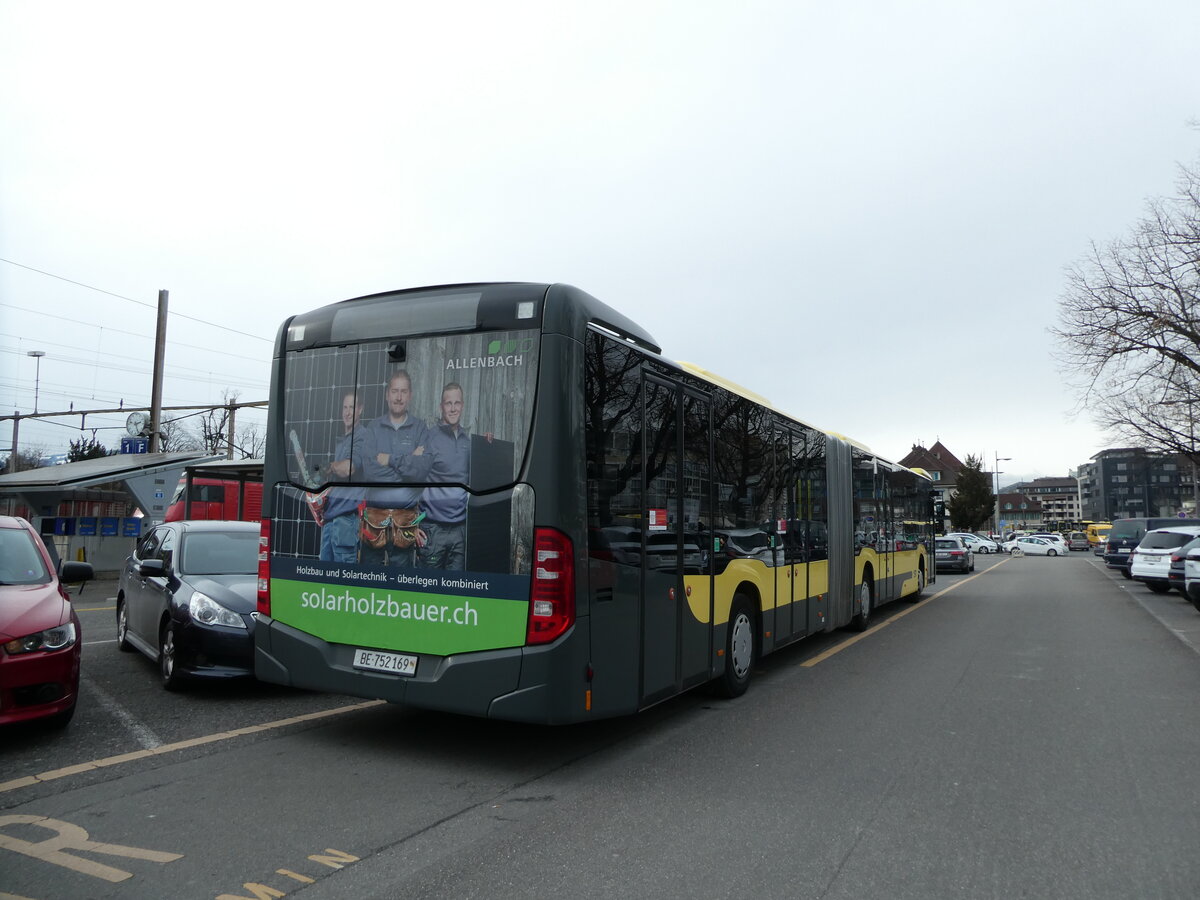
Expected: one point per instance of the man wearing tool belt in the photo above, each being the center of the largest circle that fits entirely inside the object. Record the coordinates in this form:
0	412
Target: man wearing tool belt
394	448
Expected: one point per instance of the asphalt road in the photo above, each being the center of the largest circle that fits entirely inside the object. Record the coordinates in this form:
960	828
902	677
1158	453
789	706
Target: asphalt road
1026	731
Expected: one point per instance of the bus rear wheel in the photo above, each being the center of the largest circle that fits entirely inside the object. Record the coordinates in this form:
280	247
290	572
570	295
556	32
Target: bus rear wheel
740	650
916	595
866	602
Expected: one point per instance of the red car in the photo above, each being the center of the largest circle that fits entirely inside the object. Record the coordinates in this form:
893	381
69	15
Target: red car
40	638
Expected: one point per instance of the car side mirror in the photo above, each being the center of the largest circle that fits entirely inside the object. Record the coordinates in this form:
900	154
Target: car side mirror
152	568
75	572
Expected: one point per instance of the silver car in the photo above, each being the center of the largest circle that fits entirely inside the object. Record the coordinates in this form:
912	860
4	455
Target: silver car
953	555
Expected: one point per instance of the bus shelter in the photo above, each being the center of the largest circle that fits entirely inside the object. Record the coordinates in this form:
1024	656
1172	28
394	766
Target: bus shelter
146	480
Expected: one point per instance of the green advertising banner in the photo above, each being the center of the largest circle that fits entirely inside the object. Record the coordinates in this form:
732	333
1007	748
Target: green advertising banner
399	620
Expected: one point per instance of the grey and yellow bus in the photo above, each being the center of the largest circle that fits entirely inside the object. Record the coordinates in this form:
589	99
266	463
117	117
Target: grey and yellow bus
503	500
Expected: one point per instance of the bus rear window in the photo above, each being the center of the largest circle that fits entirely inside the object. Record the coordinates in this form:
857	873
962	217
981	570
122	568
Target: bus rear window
409	315
342	405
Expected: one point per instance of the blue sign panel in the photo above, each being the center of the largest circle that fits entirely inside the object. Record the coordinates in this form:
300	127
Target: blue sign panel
87	525
131	527
135	444
110	526
64	525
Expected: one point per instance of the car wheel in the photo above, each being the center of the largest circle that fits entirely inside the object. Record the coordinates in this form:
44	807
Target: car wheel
1157	587
1052	552
1126	573
739	649
168	672
866	600
123	627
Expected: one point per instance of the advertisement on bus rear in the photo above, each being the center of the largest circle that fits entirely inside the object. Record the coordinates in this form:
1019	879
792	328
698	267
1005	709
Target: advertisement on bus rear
403	526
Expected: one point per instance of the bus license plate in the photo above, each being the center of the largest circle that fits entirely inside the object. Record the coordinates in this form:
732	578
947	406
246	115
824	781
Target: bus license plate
378	661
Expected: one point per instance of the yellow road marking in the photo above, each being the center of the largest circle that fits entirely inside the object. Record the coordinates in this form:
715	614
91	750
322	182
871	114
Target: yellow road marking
29	780
95	608
72	837
850	642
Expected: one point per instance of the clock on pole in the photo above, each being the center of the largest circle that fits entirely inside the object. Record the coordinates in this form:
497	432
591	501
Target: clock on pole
136	424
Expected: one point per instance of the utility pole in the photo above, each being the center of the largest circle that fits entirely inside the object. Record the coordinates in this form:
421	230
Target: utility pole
229	432
14	458
160	352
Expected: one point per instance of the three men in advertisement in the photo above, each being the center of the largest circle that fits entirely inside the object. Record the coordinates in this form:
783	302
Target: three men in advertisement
407	525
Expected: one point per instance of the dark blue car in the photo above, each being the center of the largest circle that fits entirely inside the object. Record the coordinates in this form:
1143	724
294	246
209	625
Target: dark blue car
186	600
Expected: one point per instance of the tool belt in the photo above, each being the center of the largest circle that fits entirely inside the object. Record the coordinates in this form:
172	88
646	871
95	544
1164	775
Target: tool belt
382	526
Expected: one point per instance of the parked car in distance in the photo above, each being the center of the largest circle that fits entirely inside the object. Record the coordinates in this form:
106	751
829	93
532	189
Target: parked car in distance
40	637
1126	534
975	542
1177	576
1078	540
1035	545
1150	562
1191	574
953	555
1057	539
186	597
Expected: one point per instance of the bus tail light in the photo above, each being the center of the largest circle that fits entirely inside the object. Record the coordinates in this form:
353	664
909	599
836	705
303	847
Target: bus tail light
264	567
552	594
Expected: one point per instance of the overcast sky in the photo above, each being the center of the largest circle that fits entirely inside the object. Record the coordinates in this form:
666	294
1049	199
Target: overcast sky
863	210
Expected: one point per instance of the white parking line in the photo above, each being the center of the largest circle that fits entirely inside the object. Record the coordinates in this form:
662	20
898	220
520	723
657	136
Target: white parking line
90	643
146	738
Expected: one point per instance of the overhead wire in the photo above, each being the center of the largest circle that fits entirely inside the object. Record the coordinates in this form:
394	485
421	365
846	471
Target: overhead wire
175	372
170	312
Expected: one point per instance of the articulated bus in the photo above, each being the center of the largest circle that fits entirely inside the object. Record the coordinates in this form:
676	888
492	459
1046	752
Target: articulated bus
503	500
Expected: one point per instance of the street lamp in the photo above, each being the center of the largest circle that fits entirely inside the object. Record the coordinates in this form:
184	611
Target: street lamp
996	474
37	381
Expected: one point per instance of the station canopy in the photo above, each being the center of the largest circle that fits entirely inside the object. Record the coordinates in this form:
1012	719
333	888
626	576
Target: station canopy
148	478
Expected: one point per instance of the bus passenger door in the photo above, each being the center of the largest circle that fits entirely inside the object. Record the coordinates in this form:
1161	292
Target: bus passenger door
793	623
675	640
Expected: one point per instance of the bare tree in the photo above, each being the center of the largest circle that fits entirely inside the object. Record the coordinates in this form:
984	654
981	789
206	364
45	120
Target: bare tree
174	436
250	442
1129	326
214	425
28	457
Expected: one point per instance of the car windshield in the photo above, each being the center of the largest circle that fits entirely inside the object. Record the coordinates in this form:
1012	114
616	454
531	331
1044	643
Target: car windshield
947	544
1164	540
20	561
220	553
